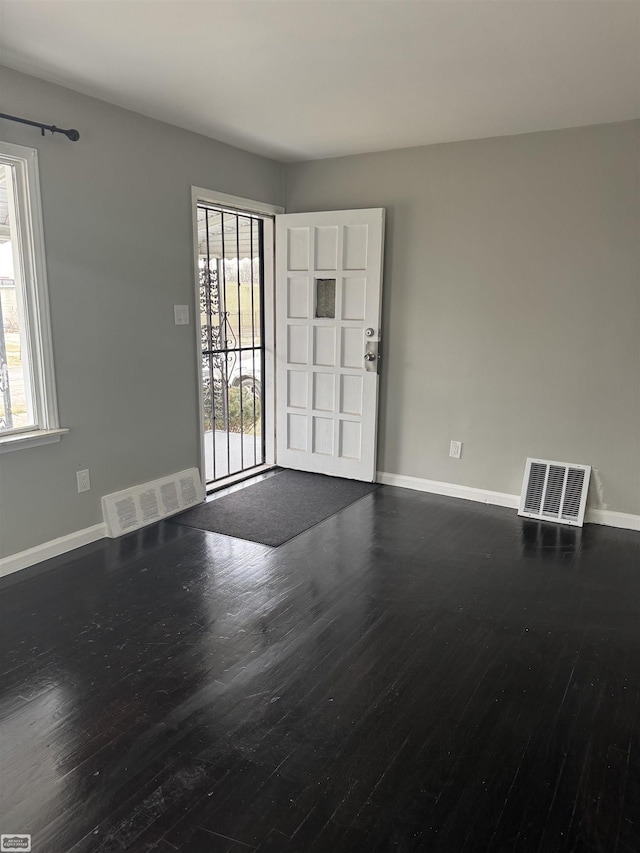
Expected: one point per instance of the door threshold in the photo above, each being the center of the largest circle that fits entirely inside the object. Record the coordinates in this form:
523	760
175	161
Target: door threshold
232	479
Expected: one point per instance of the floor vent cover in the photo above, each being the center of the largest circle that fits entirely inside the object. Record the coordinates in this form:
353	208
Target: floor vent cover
554	491
134	508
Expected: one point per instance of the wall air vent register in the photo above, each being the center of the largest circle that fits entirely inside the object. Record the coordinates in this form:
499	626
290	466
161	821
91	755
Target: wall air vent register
133	508
554	491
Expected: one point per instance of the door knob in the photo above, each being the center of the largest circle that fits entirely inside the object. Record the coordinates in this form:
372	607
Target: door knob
369	356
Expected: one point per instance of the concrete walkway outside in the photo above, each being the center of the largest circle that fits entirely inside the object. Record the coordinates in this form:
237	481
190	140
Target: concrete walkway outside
243	452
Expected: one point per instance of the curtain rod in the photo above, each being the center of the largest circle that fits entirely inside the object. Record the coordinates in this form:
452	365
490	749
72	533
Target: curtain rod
72	134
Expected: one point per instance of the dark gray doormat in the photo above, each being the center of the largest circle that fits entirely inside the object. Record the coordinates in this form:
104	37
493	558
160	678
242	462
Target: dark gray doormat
275	510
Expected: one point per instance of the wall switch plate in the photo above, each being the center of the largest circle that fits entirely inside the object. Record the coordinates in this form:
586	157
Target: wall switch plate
181	315
84	483
455	449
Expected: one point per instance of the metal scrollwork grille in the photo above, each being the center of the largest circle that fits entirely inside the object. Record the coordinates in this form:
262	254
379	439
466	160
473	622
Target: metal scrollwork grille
231	335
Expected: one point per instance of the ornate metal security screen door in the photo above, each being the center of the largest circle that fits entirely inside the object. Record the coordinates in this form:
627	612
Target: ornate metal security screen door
231	279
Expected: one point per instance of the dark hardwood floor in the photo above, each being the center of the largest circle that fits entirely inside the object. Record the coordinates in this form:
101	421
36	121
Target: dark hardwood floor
414	674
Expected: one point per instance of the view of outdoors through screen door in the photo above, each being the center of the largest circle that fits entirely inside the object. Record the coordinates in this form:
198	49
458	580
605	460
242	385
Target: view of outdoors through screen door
328	299
231	280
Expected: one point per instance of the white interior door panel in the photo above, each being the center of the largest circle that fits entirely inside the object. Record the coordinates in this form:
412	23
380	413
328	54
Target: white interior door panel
328	304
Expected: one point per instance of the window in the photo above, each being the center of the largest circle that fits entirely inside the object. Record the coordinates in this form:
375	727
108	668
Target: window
28	410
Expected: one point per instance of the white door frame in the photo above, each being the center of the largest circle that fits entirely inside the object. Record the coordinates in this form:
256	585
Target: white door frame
267	212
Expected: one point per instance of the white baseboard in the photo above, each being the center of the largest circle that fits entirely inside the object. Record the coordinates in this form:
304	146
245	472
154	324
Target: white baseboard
53	548
613	519
451	490
593	516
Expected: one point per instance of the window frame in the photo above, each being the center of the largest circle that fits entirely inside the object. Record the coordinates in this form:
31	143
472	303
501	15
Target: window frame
31	279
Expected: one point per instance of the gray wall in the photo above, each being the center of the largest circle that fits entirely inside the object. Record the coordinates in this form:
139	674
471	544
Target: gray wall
511	303
118	235
511	307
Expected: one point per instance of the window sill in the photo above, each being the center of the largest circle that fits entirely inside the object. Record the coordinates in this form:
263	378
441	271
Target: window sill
20	440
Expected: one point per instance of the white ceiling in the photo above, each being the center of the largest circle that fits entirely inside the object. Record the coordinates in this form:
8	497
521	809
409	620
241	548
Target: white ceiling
302	79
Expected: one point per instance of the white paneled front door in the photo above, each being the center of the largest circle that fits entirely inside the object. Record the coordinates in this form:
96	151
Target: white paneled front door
328	300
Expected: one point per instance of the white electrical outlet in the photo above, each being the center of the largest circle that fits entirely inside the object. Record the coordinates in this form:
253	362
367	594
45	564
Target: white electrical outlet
84	483
455	449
